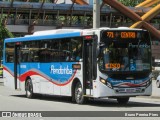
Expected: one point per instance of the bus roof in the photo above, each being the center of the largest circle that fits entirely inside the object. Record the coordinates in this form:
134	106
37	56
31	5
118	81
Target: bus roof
62	33
58	31
41	37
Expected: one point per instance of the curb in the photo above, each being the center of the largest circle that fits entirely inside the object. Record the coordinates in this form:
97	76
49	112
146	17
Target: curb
150	97
155	97
1	84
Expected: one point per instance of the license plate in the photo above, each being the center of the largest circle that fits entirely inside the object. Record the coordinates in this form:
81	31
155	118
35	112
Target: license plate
130	90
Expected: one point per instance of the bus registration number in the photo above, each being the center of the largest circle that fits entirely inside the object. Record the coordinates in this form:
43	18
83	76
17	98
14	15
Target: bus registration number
131	90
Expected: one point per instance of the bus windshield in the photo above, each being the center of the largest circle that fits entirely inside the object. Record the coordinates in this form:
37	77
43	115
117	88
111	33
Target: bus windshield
126	55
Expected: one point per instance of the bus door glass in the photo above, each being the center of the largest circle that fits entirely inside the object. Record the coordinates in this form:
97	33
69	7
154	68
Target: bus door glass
17	65
89	55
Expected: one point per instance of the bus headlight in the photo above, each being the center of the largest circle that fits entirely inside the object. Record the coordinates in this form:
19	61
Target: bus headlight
105	82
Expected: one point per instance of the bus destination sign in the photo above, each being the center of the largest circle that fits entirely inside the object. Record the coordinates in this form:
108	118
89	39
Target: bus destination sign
121	35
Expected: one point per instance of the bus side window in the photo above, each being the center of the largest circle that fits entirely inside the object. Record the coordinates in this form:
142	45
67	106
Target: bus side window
29	51
65	50
9	52
76	48
46	51
54	51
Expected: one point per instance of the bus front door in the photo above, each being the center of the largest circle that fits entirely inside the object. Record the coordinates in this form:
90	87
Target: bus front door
89	55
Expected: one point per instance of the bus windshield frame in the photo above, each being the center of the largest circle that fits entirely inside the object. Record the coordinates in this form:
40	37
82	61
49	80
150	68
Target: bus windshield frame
128	51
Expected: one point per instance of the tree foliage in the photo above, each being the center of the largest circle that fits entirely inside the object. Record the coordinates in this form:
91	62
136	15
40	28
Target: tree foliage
130	3
4	33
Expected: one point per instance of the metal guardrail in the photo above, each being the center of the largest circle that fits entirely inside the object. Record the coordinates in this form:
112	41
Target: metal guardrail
70	23
49	6
42	22
64	7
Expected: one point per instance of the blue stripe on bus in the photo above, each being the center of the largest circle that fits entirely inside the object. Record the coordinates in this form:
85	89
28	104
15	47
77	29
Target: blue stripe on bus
55	72
64	35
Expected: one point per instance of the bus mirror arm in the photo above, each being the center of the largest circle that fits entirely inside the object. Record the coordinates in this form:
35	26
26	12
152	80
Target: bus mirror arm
98	52
100	45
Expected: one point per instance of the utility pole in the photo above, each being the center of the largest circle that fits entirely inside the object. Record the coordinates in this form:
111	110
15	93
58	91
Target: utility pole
96	13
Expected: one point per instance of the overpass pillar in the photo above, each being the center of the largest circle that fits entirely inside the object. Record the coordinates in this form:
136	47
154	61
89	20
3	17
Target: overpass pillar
96	13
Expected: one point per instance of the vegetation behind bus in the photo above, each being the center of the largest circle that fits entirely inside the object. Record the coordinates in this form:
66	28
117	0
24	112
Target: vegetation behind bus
4	33
132	3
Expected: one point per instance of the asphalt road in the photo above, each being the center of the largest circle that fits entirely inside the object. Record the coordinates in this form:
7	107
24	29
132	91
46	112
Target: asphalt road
11	100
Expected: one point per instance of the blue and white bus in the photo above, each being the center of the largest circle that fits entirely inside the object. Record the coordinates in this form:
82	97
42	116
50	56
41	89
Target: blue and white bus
80	63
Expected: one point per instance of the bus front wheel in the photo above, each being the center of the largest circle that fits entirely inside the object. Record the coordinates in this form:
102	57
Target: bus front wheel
123	100
79	98
29	89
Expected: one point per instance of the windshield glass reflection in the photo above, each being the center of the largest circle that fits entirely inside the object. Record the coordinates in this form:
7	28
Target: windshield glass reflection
125	57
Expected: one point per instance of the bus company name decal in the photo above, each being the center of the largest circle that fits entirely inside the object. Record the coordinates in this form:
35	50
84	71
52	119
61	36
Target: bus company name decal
60	70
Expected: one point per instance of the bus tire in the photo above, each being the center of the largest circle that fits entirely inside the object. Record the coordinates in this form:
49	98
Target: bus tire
29	89
123	100
78	94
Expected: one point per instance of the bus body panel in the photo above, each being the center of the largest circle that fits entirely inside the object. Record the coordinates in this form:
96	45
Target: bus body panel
104	91
8	75
44	77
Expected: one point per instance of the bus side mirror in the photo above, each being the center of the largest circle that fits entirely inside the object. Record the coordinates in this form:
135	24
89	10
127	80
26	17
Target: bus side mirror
100	45
80	60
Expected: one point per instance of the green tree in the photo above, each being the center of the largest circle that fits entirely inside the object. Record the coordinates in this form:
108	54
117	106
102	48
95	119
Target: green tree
130	3
4	33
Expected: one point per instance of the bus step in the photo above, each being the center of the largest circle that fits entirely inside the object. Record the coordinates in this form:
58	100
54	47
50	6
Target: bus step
18	89
88	95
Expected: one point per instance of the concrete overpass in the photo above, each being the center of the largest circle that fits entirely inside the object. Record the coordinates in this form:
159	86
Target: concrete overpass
23	16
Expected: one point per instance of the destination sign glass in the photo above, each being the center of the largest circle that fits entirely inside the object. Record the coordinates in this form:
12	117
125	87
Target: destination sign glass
120	35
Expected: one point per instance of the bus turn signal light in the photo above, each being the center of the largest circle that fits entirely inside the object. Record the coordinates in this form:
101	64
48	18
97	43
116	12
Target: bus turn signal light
88	37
